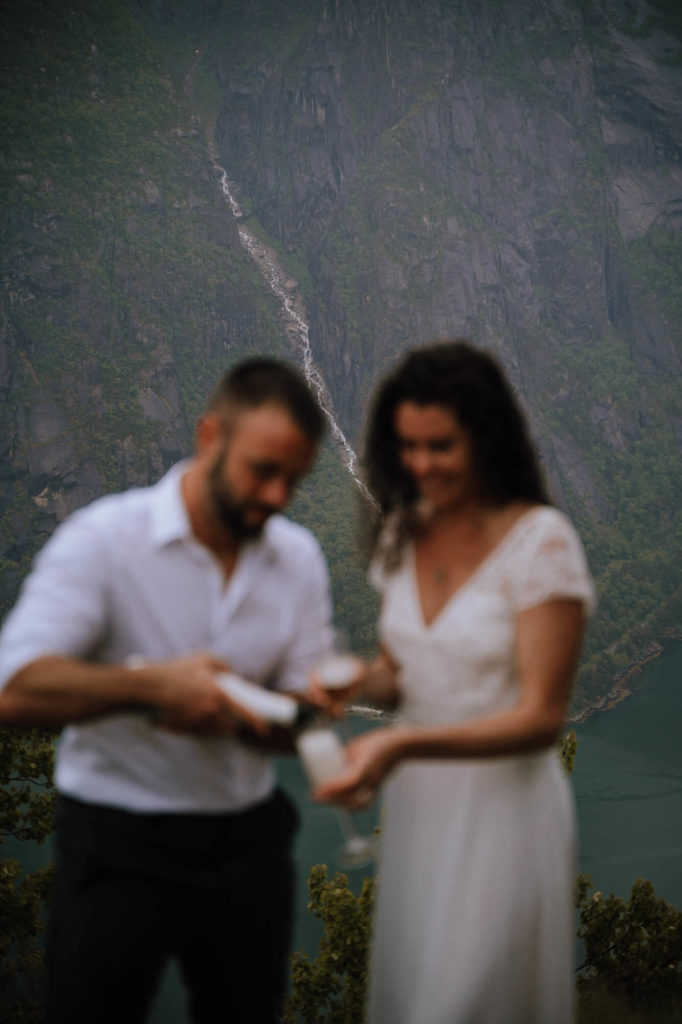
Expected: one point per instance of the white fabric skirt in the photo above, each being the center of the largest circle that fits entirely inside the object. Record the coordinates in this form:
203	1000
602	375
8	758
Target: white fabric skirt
474	922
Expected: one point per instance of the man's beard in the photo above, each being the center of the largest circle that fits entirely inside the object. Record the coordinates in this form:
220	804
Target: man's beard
230	512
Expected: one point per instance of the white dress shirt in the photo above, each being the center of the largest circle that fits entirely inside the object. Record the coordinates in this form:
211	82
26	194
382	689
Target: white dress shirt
125	576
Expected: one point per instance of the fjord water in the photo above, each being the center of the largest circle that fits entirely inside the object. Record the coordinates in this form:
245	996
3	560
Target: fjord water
628	785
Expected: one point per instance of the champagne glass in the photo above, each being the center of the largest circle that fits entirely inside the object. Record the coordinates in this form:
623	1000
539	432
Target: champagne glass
321	752
338	669
337	672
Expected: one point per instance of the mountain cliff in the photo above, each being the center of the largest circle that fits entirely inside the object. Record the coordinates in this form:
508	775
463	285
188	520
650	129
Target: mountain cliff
506	171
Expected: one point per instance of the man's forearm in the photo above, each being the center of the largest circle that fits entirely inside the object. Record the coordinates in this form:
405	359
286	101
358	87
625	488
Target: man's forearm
53	691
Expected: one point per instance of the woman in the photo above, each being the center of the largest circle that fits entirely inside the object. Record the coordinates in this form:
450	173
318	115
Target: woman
485	591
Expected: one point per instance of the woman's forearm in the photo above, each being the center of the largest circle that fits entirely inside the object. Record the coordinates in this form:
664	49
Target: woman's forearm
379	685
548	644
373	755
515	731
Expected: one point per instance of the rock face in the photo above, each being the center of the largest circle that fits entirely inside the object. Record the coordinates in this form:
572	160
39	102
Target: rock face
506	171
125	289
478	169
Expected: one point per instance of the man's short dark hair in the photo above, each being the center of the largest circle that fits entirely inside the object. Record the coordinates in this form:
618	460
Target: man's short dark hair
263	380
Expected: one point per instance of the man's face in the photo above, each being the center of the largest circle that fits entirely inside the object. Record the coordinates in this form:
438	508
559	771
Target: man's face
258	460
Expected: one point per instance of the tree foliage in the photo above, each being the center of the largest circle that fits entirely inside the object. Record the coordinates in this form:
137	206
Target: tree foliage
331	988
633	948
568	750
26	794
26	810
21	958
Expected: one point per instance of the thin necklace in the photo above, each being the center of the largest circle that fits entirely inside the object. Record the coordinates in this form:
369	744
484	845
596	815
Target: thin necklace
439	575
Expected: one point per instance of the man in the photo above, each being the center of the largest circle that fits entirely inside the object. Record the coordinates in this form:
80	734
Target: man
171	837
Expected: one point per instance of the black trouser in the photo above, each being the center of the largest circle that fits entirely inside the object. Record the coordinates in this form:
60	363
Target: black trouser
213	891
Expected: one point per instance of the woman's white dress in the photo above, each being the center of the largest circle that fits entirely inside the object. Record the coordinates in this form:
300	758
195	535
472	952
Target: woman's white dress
474	921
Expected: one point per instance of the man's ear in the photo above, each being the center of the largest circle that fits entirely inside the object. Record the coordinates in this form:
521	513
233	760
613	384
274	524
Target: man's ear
208	429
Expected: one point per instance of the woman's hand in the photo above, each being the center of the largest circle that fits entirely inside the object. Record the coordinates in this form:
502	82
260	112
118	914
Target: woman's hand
333	699
370	759
376	683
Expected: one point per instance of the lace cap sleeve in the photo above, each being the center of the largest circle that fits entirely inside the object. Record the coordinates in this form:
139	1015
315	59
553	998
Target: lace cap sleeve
552	564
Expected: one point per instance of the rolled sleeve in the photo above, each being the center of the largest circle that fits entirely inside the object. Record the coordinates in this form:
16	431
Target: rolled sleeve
62	605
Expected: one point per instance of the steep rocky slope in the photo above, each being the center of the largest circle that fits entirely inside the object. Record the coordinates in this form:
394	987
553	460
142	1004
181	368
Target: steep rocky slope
482	168
508	171
125	286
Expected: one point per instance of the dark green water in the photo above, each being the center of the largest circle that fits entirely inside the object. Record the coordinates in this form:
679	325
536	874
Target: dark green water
628	785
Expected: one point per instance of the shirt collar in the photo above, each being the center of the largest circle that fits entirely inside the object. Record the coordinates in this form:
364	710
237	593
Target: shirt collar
170	520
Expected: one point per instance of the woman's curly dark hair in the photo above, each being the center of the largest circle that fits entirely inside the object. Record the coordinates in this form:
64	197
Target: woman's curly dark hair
470	384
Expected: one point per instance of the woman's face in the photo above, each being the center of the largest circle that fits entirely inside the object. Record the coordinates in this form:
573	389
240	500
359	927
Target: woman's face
437	453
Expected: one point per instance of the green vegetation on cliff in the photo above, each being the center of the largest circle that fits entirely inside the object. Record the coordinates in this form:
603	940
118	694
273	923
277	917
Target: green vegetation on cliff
511	175
425	176
126	290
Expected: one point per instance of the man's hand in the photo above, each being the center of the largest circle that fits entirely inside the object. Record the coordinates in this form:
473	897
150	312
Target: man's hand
190	700
54	691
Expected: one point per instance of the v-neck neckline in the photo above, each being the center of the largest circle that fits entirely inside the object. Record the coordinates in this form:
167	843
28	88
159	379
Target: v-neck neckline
492	555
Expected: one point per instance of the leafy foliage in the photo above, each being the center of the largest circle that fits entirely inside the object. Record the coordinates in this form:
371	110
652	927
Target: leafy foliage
21	958
26	795
331	988
568	750
633	948
26	808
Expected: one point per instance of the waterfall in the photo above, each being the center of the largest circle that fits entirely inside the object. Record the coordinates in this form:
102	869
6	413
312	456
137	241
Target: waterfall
297	328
